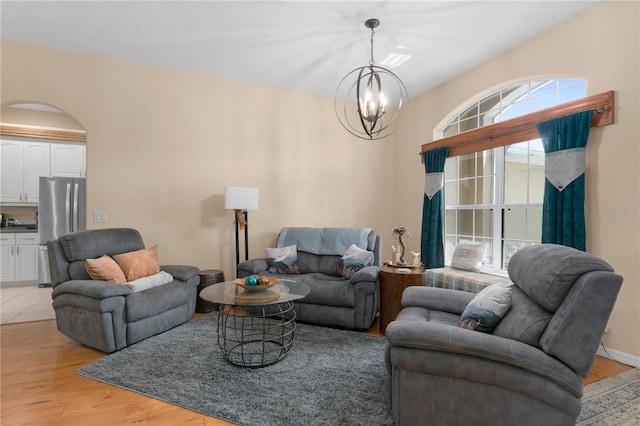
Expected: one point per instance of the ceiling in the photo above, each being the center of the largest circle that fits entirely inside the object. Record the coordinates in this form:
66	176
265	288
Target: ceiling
305	46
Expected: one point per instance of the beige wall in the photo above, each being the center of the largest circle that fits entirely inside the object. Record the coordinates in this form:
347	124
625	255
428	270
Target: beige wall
162	145
601	46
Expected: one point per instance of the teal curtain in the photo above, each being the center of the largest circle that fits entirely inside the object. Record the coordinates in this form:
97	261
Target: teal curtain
432	246
563	208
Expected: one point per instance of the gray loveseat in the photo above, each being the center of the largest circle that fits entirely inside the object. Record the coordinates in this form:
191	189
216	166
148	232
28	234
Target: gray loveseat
526	371
108	316
350	303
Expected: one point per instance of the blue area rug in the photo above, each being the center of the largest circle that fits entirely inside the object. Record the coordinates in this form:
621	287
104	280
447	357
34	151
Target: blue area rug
614	401
329	377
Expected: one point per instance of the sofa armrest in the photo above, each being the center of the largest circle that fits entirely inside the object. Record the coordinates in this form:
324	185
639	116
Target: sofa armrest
253	266
443	338
439	299
368	273
180	272
91	288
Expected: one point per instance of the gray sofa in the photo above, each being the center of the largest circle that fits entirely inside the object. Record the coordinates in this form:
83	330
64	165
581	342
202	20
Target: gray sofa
525	372
350	303
108	316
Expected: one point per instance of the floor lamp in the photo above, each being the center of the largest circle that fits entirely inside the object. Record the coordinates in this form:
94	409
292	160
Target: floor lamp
240	200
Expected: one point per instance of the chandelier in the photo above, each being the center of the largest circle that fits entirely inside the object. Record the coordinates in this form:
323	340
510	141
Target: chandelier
375	114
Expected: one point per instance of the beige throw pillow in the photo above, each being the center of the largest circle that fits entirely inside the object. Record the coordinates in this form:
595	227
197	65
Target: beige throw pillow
105	269
139	263
468	256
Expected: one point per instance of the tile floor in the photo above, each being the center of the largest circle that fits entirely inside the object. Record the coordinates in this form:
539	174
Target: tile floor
25	303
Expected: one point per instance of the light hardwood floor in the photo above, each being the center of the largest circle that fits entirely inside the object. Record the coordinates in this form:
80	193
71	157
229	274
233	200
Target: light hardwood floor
39	385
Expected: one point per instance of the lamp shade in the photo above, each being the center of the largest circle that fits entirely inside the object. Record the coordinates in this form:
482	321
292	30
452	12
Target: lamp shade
237	198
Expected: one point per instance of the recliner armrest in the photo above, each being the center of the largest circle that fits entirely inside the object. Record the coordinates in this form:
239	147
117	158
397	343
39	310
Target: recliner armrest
91	288
432	336
368	273
180	272
439	299
253	266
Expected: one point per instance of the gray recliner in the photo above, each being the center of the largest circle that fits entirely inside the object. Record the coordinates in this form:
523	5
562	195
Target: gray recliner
523	373
108	316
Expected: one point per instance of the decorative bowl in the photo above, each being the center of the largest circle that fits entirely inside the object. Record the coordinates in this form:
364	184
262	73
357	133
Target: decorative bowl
240	282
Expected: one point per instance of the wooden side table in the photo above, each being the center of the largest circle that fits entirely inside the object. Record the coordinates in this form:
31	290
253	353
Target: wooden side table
392	284
207	277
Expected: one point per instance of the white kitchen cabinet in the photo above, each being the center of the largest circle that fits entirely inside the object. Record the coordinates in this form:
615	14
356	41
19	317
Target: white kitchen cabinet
19	257
68	160
7	257
22	164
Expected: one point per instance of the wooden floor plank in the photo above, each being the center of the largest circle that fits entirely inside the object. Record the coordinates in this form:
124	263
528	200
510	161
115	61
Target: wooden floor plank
39	385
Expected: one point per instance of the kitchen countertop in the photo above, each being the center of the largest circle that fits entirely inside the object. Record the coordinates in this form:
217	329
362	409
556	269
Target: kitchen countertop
18	230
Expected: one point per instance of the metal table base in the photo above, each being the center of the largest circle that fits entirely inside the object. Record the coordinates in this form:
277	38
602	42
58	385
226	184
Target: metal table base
256	336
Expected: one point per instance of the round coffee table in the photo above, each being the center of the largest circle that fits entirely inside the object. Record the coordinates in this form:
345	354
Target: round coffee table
255	329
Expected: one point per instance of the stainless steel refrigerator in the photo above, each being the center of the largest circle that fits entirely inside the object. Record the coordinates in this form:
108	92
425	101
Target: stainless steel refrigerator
61	210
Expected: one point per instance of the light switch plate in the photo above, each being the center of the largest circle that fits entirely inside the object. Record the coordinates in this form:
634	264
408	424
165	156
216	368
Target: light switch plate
99	217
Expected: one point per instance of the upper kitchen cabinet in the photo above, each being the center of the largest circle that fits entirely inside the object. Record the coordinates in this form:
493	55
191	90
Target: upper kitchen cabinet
37	140
68	159
21	165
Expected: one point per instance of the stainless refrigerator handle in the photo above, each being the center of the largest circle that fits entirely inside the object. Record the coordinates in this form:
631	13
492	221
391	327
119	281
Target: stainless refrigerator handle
67	213
76	189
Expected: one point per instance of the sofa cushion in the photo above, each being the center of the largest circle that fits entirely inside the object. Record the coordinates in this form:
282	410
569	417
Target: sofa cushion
308	262
139	263
353	260
155	300
456	279
105	269
468	256
328	265
546	272
525	321
486	309
283	260
328	290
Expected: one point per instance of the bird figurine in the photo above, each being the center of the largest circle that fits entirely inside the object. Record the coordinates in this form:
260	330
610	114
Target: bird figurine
416	258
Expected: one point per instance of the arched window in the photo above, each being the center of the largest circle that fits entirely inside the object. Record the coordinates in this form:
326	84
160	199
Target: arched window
495	196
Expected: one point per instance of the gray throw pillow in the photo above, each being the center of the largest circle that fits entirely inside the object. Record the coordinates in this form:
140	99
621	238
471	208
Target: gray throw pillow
353	260
283	260
487	308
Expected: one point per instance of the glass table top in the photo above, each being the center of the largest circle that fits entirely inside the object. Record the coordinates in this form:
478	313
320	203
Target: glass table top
229	293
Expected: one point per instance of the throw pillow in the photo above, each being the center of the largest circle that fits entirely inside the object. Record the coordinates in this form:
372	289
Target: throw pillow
105	269
141	284
139	263
487	308
353	260
468	256
283	260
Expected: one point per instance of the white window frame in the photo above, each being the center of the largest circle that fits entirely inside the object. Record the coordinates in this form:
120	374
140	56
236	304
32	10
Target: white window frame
517	93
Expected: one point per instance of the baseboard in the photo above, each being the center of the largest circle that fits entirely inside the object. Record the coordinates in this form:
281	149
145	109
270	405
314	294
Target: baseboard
621	357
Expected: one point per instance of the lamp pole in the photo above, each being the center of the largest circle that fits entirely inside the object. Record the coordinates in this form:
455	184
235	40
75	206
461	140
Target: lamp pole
241	222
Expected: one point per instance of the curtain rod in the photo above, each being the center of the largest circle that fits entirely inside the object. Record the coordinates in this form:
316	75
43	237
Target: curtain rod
524	128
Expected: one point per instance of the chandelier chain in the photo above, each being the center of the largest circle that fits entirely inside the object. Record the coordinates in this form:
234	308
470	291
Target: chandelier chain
372	62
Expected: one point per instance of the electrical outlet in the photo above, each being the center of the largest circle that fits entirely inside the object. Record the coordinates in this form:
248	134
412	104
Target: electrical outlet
99	217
